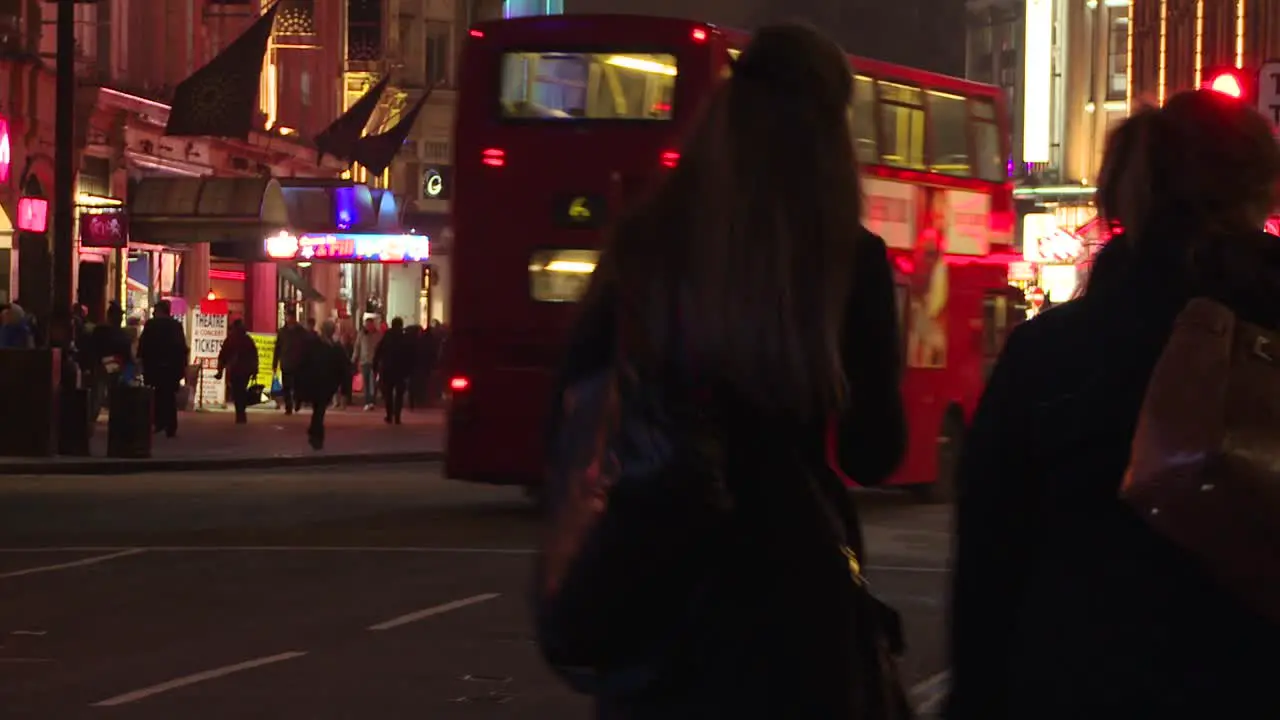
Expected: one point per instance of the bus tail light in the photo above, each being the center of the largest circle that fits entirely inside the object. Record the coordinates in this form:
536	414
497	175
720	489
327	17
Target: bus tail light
670	158
459	383
493	157
699	35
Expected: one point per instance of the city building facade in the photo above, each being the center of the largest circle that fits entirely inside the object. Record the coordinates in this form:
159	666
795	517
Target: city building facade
1064	66
1176	43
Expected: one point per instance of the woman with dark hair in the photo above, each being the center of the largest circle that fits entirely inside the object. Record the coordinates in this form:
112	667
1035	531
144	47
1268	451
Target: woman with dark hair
1066	604
747	285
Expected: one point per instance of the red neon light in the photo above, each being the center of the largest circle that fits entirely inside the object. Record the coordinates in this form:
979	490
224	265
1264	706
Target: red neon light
235	275
477	33
1228	84
493	157
699	35
459	384
33	214
670	158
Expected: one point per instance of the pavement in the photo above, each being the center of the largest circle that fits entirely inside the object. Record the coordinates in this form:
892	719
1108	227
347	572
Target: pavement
212	440
372	593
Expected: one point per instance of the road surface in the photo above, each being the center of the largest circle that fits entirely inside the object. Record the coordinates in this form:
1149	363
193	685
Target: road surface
343	593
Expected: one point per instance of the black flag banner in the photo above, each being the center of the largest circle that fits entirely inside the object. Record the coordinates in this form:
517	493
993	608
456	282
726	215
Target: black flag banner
340	137
375	152
221	98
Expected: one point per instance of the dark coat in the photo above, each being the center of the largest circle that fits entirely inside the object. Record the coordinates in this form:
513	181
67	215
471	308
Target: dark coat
768	638
1066	605
323	368
239	356
395	355
163	351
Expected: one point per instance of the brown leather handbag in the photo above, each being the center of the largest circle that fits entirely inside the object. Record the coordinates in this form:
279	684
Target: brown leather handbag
1205	464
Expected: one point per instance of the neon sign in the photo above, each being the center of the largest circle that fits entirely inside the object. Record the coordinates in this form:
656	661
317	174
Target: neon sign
349	247
6	153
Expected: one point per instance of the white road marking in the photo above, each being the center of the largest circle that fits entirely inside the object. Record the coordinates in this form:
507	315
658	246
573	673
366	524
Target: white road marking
73	564
931	693
371	549
199	677
930	683
431	611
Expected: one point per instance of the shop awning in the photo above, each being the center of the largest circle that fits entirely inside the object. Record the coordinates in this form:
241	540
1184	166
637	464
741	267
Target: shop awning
295	278
177	210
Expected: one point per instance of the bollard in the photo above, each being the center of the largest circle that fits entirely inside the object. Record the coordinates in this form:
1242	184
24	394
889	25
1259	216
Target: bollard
129	429
73	422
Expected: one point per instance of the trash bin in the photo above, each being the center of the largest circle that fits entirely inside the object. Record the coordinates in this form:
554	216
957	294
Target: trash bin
73	422
129	428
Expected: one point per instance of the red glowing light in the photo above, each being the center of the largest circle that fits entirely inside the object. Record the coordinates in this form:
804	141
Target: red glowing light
477	33
33	214
459	384
234	275
494	157
1228	84
699	35
6	156
670	158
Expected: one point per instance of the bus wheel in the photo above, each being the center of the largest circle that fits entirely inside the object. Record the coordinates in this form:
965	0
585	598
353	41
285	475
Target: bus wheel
943	489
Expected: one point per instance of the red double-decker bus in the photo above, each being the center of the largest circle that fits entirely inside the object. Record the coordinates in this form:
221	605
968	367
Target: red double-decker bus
563	120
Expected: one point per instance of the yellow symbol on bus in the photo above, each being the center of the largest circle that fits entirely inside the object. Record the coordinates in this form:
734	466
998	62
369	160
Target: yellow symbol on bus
578	209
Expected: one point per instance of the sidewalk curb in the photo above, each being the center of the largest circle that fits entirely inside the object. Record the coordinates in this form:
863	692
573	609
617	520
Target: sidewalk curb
109	466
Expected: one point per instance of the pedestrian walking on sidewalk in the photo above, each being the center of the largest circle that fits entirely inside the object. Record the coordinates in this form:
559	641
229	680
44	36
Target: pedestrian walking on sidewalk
737	352
164	354
292	340
393	361
239	360
323	365
366	348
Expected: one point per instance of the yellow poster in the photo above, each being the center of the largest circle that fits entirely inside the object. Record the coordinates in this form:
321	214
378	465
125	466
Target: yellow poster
266	345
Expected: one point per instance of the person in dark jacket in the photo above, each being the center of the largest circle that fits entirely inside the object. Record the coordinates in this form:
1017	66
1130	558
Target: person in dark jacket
163	351
109	350
239	360
1066	605
323	366
393	361
292	340
775	300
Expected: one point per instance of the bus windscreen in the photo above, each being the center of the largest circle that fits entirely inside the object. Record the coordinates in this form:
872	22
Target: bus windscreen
569	86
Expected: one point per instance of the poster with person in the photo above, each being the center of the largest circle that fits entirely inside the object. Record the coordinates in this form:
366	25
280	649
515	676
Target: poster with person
929	287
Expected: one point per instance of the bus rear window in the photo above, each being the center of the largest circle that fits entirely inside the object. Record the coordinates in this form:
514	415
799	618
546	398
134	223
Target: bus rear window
570	86
561	276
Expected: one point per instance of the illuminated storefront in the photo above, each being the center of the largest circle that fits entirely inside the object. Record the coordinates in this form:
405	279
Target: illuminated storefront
1051	259
365	261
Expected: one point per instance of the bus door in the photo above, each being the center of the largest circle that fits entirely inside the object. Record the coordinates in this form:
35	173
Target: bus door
1002	310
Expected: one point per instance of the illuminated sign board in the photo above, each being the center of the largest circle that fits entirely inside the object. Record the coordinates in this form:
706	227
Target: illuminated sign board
33	214
6	153
348	247
104	230
437	183
1038	81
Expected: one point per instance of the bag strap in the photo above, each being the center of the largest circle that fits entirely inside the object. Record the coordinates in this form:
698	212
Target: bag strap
837	529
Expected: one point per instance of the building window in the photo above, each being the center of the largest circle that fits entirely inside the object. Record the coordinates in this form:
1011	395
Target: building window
304	88
1117	52
437	53
364	30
